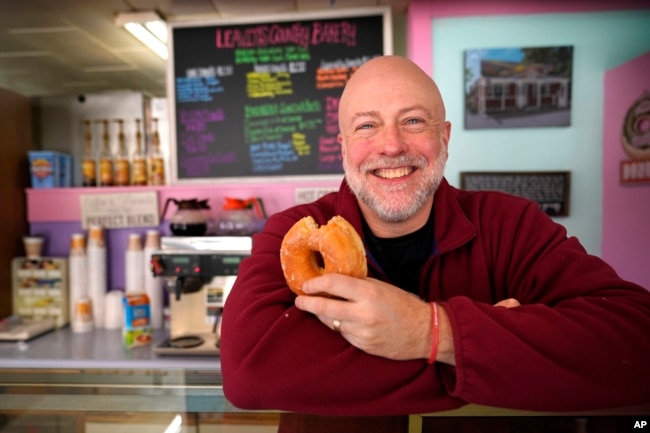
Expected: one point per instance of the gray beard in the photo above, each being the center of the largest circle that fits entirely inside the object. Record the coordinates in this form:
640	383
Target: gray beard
403	206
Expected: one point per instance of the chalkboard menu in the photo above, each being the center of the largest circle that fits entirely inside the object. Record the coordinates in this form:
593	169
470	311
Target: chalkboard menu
260	99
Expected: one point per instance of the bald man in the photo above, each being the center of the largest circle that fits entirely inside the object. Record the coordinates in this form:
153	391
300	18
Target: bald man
427	330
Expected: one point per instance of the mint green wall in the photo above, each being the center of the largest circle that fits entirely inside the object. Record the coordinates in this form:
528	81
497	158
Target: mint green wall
601	41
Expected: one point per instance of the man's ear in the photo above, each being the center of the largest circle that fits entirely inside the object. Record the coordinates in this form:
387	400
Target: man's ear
446	135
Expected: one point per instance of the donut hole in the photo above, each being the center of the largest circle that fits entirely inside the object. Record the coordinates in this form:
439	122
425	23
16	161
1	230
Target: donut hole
317	260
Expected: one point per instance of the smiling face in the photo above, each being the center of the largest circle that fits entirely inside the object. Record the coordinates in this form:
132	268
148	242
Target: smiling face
394	141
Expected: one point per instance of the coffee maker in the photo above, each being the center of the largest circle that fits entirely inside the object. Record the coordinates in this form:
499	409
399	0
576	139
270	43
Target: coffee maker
198	273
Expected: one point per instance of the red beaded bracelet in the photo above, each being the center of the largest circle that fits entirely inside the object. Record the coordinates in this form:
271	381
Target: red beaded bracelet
434	333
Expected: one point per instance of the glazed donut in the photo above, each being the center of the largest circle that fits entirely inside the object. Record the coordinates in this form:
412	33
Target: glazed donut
336	243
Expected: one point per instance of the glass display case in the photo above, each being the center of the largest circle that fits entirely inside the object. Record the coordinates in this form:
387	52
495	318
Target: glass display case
67	382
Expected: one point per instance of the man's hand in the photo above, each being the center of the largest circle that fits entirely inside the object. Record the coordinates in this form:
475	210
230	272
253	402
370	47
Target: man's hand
375	317
379	318
508	303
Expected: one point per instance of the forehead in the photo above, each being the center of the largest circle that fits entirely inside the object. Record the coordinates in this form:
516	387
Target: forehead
376	85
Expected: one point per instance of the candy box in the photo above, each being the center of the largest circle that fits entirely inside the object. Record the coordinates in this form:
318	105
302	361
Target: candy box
50	169
65	170
137	320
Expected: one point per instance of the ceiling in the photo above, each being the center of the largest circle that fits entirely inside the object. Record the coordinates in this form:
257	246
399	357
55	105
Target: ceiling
64	47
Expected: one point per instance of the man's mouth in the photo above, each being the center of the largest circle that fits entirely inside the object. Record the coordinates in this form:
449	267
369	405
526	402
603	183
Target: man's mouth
393	173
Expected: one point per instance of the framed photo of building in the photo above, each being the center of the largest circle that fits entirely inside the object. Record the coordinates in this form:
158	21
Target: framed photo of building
518	87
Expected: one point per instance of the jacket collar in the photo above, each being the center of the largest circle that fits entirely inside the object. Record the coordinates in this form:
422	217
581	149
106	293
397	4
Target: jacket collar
452	228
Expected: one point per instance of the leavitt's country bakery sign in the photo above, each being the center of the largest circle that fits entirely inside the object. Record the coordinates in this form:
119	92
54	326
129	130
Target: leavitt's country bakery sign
635	138
120	210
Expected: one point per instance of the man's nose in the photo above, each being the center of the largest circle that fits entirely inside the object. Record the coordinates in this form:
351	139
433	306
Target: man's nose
392	141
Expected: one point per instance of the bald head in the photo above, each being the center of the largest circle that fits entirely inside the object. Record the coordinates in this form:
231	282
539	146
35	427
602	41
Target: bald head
394	139
391	76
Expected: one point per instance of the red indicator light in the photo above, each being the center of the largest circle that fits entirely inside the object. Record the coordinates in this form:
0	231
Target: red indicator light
177	269
197	269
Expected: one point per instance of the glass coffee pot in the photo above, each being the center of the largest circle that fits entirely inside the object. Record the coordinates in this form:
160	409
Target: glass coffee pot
189	219
241	217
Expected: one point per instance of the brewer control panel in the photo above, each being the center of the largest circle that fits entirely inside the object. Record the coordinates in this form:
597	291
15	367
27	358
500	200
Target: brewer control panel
195	263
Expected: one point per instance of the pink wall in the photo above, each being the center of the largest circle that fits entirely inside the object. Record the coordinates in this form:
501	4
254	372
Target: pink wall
626	207
421	13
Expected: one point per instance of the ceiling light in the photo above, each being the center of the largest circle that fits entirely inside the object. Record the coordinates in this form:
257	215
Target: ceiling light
148	27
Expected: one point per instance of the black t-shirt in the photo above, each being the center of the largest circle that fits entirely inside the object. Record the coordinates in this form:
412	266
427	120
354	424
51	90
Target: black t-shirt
402	258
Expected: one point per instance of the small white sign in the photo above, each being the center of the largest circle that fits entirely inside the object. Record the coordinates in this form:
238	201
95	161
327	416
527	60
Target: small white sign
309	194
131	209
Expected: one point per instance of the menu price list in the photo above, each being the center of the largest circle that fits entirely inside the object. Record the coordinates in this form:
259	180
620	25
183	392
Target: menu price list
262	99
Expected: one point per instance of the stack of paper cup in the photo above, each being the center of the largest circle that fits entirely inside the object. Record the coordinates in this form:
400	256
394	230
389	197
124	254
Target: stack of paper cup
82	318
77	271
97	276
153	286
133	269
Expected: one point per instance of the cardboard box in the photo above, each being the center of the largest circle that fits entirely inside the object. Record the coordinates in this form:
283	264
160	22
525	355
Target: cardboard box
137	320
50	169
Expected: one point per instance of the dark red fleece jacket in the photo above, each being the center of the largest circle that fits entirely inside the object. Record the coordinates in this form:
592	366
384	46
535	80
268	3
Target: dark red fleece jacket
580	340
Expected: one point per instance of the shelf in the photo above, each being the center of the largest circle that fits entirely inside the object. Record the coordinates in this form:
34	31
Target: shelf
63	205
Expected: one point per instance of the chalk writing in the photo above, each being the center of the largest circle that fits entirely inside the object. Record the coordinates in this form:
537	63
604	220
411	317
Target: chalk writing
262	36
196	143
197	120
257	56
332	78
320	32
347	62
271	129
299	142
331	115
264	110
267	85
271	156
210	71
201	165
343	32
197	89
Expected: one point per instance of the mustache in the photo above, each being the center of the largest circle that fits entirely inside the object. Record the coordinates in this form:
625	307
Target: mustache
393	162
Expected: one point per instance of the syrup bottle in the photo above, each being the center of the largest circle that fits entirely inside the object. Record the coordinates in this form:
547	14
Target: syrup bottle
89	163
122	164
139	161
156	161
105	158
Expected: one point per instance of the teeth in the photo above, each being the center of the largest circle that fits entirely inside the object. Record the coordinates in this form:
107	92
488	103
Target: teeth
392	173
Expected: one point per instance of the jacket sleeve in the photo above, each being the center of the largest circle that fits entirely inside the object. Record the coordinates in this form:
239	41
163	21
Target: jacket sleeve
274	356
580	340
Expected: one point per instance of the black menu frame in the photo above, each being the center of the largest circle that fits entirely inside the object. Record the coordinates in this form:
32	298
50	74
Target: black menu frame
257	98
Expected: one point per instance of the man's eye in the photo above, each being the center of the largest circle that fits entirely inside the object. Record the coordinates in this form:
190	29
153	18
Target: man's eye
412	121
365	126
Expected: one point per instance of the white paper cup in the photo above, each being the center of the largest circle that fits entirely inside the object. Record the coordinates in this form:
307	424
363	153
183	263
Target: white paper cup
33	246
114	316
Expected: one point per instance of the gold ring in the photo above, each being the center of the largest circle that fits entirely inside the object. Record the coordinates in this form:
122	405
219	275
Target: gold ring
336	325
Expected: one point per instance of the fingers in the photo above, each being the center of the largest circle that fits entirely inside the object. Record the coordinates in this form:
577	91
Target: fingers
335	285
508	303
